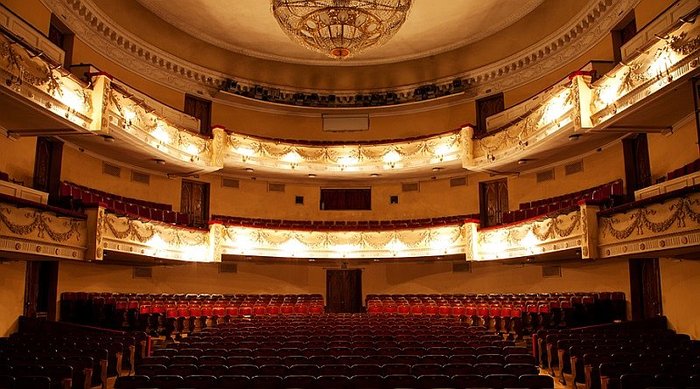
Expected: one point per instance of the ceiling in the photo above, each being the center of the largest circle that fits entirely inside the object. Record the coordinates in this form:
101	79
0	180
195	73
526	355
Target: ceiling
248	27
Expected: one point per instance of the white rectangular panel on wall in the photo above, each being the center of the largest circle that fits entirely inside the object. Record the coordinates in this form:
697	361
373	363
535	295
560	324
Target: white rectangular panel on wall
341	123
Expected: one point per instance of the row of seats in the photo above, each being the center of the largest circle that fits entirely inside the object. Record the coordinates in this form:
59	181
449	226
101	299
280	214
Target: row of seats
607	195
599	357
65	361
494	381
76	196
339	369
326	225
509	312
689	168
176	314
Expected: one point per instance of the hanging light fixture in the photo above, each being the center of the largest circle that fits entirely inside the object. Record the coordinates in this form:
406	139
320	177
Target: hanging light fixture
340	28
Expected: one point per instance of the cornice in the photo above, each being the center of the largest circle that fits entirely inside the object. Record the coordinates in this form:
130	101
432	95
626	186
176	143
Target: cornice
102	34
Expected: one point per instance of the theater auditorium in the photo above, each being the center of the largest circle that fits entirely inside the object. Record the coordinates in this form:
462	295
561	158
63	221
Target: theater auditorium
349	194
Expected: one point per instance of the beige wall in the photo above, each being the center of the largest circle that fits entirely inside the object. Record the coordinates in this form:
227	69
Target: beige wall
598	168
670	151
680	289
32	11
83	169
300	277
11	295
18	158
647	10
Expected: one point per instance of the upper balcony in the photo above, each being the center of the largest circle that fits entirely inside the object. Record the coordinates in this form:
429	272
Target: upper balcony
648	92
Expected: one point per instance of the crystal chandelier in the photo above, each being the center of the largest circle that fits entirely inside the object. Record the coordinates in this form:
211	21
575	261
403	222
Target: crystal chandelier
340	28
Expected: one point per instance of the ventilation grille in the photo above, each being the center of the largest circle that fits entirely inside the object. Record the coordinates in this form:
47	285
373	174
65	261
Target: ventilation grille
143	272
459	181
230	183
410	187
546	175
462	267
228	267
573	168
111	170
551	271
275	187
140	177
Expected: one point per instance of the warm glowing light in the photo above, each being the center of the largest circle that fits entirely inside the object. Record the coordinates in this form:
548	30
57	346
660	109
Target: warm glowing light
441	243
556	107
294	248
396	246
348	160
192	149
529	242
195	253
243	241
161	134
442	150
344	249
292	157
129	115
391	157
72	99
660	65
609	92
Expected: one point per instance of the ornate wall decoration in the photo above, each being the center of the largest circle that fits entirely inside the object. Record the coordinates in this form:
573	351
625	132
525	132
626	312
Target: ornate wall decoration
651	227
528	238
654	66
34	79
102	34
156	239
558	110
344	244
343	158
39	232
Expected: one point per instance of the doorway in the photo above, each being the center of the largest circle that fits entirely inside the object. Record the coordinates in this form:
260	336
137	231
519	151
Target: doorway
47	167
40	290
344	290
645	288
493	201
194	202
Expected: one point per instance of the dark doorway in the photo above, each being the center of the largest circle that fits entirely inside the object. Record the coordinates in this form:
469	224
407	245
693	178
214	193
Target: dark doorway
47	166
194	202
344	290
493	201
486	107
200	109
645	288
41	284
637	168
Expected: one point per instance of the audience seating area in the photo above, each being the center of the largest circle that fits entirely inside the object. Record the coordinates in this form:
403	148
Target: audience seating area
66	359
621	356
75	196
169	314
607	195
684	170
341	224
515	313
340	351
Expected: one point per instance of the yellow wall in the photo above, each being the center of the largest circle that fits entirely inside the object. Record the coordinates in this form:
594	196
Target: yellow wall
647	10
408	277
18	158
680	289
12	295
32	11
668	152
598	168
81	168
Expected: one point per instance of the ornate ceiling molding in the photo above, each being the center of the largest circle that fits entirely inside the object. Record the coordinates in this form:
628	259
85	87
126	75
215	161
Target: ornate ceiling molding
164	13
97	30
